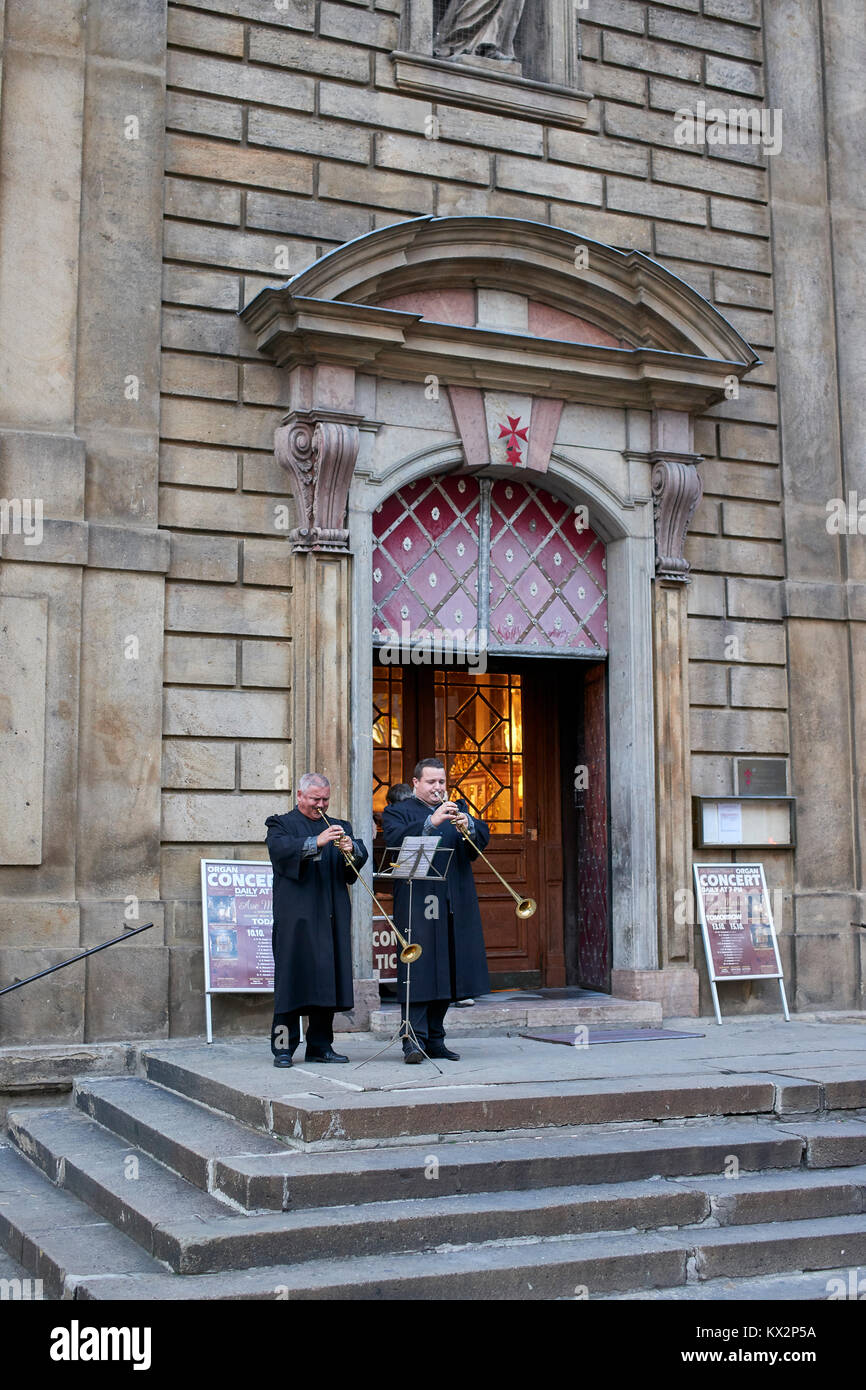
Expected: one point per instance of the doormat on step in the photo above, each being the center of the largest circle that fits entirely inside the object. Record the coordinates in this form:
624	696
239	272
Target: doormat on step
608	1035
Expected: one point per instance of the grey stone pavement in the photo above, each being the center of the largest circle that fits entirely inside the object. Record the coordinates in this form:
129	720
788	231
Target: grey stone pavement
817	1048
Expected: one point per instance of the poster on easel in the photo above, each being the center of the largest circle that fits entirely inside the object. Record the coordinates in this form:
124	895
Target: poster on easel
237	897
737	926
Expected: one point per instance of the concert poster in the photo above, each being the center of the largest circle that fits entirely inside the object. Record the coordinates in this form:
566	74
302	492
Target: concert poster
736	921
237	918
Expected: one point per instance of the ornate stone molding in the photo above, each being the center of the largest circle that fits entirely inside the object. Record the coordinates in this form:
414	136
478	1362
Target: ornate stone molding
677	489
683	355
506	93
319	449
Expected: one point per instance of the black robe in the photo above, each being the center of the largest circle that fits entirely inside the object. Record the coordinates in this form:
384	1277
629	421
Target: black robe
312	935
453	962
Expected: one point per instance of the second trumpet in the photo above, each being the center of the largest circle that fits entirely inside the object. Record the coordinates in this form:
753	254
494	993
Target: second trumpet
525	907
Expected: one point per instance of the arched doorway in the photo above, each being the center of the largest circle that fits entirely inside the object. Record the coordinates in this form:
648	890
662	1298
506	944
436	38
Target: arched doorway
490	639
407	352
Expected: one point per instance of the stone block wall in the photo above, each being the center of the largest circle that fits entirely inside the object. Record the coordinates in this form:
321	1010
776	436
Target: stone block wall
287	135
83	129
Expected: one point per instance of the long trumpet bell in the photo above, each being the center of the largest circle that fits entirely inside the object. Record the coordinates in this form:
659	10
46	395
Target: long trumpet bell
526	907
411	950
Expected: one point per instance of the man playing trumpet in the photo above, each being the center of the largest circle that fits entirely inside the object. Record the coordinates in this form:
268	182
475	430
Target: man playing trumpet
446	920
312	935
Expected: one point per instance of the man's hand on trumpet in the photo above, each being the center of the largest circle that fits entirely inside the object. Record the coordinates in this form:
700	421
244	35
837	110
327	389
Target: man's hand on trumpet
336	833
449	811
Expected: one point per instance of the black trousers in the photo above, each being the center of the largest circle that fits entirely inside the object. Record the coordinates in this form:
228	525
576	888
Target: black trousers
428	1022
320	1030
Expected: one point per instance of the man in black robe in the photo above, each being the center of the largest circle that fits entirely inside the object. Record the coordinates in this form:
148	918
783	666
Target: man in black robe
446	921
312	935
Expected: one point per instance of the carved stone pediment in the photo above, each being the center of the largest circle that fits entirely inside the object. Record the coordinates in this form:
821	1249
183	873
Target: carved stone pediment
319	449
682	356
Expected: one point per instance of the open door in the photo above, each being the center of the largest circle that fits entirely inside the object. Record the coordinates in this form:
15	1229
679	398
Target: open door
498	735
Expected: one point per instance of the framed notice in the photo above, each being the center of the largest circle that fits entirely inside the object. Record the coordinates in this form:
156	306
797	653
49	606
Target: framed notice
237	900
749	822
737	926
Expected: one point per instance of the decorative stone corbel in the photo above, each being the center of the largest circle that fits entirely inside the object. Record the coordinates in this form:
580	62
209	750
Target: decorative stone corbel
319	449
677	489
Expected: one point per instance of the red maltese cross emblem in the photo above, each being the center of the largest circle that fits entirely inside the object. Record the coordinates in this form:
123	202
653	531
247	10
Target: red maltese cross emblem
513	435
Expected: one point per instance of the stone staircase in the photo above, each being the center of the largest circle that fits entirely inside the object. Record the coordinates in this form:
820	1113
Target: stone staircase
510	1011
183	1184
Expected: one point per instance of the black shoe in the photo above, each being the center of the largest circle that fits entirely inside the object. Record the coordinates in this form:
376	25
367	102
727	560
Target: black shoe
443	1052
329	1056
282	1059
412	1056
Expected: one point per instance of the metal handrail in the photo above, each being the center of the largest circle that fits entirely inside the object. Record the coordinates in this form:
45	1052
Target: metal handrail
72	959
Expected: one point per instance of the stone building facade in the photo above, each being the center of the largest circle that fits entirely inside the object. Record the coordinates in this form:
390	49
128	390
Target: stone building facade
264	264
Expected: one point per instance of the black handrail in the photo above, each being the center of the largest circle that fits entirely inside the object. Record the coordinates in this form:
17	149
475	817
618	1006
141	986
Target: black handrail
73	959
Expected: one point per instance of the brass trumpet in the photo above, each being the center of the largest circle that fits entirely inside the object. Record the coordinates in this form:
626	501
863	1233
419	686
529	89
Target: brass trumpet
411	951
526	907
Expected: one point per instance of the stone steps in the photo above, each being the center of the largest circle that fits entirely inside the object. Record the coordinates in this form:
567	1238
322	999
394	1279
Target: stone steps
587	1267
15	1282
136	1194
221	1156
334	1111
195	1234
804	1287
492	1017
254	1172
516	1163
58	1238
182	1134
202	1181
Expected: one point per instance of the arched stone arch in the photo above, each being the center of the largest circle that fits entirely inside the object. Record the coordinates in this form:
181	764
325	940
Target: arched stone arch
626	525
627	293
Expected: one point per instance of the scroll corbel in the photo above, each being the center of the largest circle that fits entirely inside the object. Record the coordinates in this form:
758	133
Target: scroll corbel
676	489
319	449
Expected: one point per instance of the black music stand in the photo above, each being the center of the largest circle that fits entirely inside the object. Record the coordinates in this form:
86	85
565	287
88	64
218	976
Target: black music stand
420	868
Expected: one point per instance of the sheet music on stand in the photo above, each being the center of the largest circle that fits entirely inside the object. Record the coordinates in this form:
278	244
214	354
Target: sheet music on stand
407	862
415	857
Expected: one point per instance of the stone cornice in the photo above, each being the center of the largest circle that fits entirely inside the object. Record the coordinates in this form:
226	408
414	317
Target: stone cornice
403	346
624	292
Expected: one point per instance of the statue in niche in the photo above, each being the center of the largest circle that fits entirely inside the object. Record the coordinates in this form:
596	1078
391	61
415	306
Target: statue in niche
483	28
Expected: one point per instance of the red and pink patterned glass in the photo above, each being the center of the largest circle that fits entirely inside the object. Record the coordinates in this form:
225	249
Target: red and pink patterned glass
425	558
548	585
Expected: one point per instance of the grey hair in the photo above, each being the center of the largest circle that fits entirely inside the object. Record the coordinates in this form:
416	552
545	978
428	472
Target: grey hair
312	779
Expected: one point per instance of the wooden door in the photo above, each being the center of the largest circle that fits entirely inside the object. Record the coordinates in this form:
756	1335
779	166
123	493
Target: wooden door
497	734
593	925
